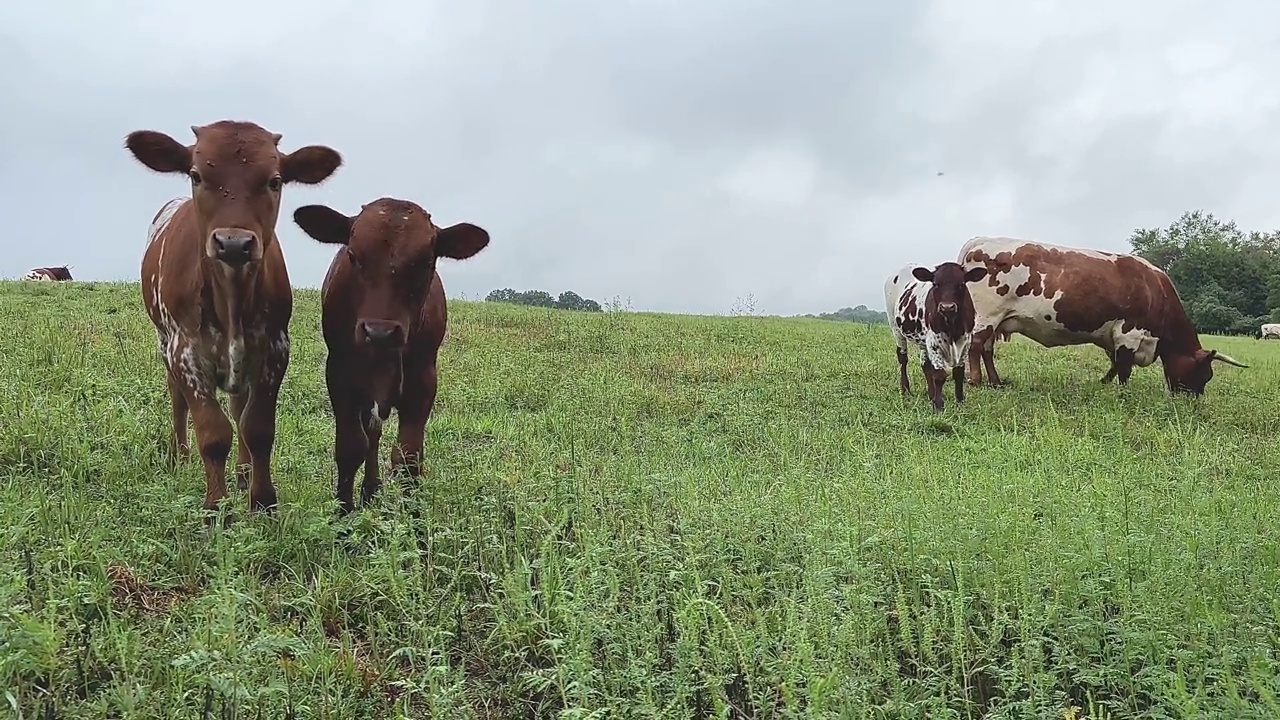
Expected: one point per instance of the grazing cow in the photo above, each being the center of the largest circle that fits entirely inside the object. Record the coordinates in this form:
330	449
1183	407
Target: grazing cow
1269	330
383	317
56	274
216	289
932	309
1060	295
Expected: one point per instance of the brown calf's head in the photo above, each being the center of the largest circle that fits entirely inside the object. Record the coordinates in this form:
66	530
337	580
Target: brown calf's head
237	172
391	247
1191	373
948	303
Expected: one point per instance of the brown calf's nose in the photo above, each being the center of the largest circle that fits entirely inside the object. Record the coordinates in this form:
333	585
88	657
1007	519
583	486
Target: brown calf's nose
947	307
382	332
234	247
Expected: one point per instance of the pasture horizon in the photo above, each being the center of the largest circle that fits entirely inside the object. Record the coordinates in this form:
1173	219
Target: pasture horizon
645	514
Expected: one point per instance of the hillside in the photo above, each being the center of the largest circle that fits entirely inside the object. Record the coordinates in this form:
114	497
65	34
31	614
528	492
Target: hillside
661	516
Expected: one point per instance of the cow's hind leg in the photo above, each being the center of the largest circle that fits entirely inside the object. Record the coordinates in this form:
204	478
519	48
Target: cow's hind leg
973	361
903	383
243	458
179	449
373	434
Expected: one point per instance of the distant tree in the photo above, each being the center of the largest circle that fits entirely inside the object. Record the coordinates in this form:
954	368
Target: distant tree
859	314
568	300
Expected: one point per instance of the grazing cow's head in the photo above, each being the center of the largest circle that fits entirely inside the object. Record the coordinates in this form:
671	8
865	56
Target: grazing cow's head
237	172
61	273
391	246
1190	373
948	302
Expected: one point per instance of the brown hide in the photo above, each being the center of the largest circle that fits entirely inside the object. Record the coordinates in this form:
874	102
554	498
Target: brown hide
215	286
383	315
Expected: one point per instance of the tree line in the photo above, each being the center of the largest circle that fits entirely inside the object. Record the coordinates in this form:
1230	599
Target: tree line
568	300
1228	279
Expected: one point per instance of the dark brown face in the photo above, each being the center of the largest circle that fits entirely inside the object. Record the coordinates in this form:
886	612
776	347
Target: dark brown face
391	249
237	173
949	293
1190	373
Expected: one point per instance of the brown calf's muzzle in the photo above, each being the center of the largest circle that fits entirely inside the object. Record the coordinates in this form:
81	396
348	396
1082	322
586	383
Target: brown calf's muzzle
234	247
380	334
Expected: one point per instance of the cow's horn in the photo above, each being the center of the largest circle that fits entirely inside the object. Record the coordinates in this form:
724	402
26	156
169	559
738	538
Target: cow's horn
1228	359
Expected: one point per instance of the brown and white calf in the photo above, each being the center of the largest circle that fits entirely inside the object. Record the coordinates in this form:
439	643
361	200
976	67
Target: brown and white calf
383	316
1058	295
216	289
56	274
932	310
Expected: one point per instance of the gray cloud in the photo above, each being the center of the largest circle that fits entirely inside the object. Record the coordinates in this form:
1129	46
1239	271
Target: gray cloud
680	154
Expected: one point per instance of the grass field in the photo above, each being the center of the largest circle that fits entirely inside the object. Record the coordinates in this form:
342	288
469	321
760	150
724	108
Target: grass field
629	515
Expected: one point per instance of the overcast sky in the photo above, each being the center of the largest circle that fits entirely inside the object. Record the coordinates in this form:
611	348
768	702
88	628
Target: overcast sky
683	153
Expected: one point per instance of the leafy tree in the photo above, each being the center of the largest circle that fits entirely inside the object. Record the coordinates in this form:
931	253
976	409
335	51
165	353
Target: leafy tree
859	314
1229	280
568	300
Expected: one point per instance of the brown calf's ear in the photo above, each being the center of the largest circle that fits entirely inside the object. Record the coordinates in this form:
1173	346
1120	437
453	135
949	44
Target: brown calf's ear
975	274
159	152
324	224
309	165
923	274
461	241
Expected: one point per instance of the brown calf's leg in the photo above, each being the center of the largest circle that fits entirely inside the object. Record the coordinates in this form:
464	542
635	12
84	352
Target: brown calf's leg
415	411
179	449
957	378
903	382
258	435
373	434
243	458
349	450
213	435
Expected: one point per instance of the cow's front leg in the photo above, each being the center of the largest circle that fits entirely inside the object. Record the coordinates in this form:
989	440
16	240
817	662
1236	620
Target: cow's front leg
415	410
903	383
213	436
258	437
957	378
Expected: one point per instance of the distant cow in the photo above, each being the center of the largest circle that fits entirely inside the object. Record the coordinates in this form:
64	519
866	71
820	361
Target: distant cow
1269	330
932	309
216	289
383	317
61	273
1060	295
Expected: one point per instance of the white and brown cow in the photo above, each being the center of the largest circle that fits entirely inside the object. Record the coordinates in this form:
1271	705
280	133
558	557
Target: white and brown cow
1058	295
62	273
932	310
216	289
1269	330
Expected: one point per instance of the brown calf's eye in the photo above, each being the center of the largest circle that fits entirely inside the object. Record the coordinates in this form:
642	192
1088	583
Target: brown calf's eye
275	183
195	177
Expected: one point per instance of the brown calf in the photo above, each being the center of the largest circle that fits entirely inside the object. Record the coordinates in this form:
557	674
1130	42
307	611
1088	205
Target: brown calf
383	316
216	289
